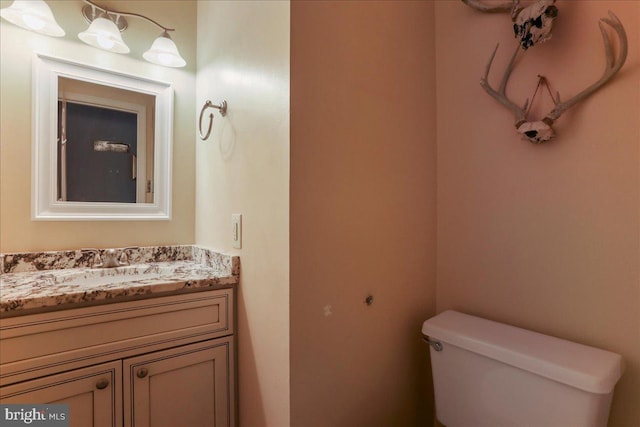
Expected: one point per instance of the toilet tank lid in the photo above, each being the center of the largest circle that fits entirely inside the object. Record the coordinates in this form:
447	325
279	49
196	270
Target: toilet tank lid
587	368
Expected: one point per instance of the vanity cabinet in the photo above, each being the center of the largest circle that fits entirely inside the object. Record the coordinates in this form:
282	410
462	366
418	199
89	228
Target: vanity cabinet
165	361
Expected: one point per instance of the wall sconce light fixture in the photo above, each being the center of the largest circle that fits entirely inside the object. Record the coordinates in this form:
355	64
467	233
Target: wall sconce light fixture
106	26
32	15
103	32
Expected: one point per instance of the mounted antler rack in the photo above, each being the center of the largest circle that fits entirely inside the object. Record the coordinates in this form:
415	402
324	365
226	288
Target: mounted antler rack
533	25
541	131
208	104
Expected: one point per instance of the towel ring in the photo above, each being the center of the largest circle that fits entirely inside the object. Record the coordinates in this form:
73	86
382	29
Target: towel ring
223	112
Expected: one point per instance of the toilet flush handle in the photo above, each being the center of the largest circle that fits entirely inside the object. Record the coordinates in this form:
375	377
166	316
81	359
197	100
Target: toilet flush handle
437	345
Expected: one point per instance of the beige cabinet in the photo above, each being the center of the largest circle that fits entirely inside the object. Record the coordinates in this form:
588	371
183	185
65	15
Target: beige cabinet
166	361
94	394
185	386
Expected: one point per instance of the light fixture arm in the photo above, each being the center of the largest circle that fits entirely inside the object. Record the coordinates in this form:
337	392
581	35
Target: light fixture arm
117	13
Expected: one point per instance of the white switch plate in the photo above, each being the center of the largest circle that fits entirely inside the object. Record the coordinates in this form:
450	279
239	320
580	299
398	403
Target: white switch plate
236	230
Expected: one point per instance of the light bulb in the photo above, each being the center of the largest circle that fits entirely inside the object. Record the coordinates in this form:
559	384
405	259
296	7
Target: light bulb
103	33
33	22
32	15
105	42
165	58
164	52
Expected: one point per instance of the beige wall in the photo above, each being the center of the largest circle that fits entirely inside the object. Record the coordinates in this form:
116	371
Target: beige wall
362	211
17	231
543	237
243	57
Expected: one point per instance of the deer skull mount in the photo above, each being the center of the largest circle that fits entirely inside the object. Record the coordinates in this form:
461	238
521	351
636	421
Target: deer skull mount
533	25
536	132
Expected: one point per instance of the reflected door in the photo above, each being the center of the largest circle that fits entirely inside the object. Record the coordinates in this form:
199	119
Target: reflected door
96	154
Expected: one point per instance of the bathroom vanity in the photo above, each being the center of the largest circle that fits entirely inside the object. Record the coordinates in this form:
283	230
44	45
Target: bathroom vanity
150	344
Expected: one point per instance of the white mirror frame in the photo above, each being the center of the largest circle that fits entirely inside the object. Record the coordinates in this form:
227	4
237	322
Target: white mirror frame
44	203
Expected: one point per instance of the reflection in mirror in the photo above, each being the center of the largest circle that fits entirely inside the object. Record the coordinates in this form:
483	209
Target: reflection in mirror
105	143
101	144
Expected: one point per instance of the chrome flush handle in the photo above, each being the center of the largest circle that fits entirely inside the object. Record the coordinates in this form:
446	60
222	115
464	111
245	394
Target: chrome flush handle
437	345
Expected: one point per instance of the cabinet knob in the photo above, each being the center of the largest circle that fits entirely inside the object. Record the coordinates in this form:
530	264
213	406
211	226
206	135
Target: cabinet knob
142	372
102	384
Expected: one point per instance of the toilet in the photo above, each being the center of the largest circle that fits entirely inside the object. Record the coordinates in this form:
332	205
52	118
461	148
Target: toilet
490	374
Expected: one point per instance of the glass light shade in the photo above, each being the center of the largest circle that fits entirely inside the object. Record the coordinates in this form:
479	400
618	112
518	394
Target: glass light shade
33	15
104	34
164	52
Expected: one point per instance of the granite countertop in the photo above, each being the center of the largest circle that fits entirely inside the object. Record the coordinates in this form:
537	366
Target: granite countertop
58	280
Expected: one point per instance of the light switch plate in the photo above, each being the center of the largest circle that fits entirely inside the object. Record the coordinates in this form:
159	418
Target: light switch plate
236	230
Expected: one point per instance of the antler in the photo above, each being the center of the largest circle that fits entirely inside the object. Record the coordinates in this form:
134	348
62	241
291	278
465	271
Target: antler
613	66
500	95
505	6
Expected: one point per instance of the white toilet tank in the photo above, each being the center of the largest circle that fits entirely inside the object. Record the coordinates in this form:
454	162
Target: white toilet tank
495	375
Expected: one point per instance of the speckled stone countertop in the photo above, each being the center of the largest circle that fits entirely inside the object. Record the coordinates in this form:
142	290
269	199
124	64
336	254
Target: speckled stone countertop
39	281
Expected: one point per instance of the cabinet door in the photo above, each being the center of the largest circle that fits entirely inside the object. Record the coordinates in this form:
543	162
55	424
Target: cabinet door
188	386
94	394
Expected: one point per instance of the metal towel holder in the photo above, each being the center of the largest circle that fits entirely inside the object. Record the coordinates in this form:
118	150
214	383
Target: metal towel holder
223	112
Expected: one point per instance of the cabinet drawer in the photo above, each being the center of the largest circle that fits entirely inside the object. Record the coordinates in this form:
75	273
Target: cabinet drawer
42	344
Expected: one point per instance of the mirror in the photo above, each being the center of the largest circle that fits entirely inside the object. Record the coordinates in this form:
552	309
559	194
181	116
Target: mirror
102	143
104	138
